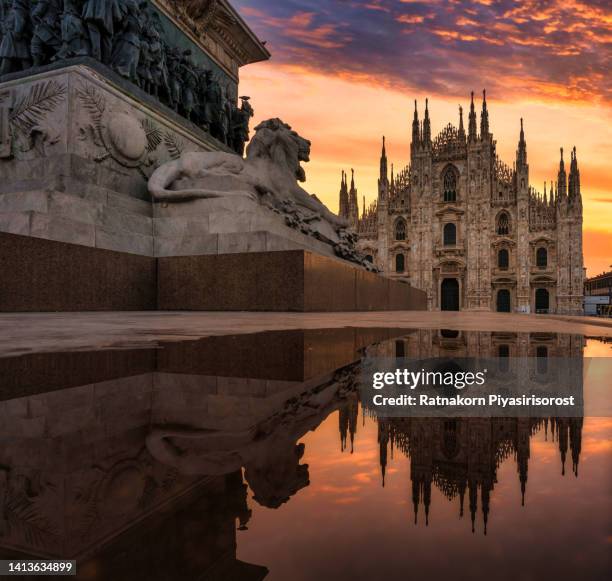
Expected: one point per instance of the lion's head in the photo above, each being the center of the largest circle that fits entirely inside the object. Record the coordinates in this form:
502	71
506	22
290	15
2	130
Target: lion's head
275	140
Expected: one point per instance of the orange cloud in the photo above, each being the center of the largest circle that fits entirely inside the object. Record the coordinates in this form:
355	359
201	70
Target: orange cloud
410	18
300	26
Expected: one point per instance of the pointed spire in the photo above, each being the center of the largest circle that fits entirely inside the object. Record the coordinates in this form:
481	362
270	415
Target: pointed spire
426	125
521	152
416	139
573	193
383	177
461	129
343	204
353	204
472	120
562	179
484	117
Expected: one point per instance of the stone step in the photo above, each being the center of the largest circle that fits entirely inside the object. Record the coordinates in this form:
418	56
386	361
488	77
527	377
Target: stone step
65	229
117	217
231	243
82	190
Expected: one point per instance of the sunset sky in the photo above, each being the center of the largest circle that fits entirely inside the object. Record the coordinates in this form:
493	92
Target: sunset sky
345	72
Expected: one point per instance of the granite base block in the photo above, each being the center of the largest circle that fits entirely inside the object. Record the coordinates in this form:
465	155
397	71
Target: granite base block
47	275
293	280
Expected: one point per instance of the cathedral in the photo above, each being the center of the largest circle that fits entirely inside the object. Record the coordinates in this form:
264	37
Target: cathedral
469	230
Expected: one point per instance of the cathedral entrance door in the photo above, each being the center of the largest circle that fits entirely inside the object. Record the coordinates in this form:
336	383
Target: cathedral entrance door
503	300
449	300
541	300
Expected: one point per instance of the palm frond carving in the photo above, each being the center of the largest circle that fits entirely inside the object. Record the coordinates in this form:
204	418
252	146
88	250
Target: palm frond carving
95	104
174	145
25	516
153	133
31	108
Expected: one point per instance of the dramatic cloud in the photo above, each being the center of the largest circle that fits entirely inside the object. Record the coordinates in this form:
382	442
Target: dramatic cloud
545	49
344	72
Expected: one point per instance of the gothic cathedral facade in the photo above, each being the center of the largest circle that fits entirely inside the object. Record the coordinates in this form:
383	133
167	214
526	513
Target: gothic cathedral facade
469	230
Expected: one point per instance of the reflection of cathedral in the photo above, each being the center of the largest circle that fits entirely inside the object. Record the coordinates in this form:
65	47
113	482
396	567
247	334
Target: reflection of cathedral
470	231
461	456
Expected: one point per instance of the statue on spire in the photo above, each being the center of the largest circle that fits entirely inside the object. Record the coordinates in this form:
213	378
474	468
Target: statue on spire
416	138
484	117
521	152
426	125
472	120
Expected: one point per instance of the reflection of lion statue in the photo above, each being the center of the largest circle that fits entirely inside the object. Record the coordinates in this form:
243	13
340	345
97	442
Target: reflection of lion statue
271	168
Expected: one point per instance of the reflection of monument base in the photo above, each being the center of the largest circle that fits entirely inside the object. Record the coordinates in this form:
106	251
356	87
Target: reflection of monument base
73	277
294	280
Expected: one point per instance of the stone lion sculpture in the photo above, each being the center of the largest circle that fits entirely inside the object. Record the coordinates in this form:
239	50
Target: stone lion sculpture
271	170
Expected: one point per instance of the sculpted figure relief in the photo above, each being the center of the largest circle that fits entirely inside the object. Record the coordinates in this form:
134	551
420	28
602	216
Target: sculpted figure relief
15	46
271	168
100	17
129	36
46	38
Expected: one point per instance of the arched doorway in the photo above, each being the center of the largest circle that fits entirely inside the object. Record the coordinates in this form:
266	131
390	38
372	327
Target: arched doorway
542	300
503	300
449	299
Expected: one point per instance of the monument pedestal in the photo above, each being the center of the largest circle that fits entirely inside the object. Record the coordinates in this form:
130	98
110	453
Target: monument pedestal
79	231
46	275
292	280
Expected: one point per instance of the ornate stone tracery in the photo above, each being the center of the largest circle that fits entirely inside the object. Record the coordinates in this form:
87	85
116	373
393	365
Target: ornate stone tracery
482	191
448	145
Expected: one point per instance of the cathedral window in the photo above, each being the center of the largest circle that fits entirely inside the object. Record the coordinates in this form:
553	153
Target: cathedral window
450	185
542	258
450	234
400	229
503	259
399	263
503	224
